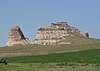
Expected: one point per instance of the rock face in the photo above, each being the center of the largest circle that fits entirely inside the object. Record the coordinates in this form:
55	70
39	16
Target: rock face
16	36
57	32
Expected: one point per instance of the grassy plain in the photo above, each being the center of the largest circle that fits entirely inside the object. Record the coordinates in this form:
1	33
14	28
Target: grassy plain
49	67
86	56
80	55
87	60
77	44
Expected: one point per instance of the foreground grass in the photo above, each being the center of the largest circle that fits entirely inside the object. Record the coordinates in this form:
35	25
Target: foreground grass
87	60
49	67
72	57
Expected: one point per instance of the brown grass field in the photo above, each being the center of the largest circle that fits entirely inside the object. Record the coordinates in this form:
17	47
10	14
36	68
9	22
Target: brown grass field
77	44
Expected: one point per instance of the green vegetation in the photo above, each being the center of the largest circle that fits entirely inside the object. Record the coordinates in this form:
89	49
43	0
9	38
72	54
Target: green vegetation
87	60
49	67
83	54
86	56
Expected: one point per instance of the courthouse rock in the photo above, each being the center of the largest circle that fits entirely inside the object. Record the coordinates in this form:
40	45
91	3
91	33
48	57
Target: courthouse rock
57	32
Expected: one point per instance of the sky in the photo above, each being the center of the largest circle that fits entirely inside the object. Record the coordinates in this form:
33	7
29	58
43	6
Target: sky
33	14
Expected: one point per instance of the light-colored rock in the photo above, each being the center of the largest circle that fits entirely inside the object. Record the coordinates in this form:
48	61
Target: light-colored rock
56	32
16	36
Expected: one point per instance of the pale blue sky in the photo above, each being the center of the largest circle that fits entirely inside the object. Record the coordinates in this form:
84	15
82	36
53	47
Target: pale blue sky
32	14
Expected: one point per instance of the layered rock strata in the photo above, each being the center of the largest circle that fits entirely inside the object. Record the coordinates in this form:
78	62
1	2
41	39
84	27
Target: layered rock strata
16	36
57	32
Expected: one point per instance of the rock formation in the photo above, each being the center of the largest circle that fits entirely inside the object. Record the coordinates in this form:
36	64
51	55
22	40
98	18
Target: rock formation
16	36
57	32
50	35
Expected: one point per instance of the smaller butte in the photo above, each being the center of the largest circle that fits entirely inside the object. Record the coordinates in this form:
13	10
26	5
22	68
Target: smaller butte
16	36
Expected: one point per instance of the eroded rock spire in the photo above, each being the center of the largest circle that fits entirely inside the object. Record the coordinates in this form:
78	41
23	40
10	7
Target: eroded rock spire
16	36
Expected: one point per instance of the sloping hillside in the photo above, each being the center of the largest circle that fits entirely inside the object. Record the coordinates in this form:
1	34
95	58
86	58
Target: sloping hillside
77	44
86	56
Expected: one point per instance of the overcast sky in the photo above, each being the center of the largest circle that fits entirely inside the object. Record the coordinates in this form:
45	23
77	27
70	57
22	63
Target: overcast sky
33	14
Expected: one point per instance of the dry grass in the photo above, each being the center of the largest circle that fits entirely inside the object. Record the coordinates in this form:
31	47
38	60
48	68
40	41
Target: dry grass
47	67
77	44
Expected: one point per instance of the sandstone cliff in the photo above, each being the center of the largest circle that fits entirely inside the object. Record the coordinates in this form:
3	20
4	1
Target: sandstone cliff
57	32
51	35
16	36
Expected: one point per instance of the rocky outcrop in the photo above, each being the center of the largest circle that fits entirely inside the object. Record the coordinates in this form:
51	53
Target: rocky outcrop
50	35
16	36
57	32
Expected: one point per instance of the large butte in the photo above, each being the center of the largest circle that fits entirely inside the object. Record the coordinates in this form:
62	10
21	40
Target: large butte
57	32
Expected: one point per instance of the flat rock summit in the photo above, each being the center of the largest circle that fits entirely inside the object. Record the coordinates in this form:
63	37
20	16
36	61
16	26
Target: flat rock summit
50	35
57	32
